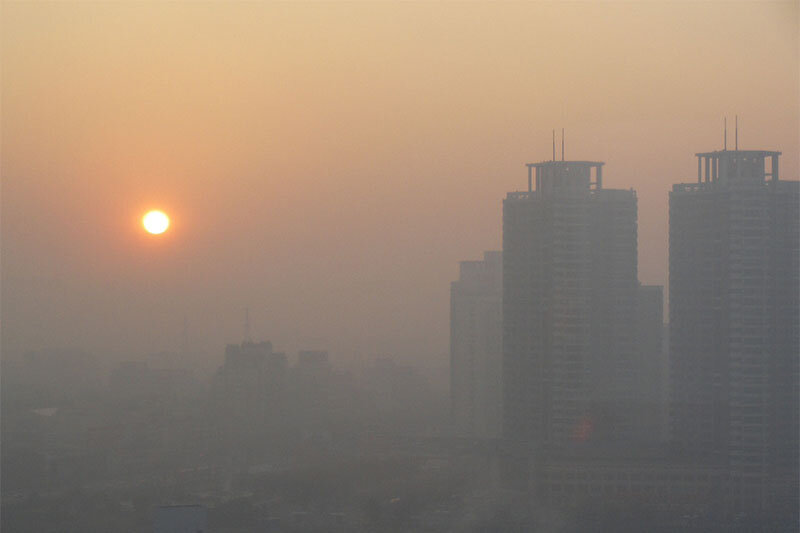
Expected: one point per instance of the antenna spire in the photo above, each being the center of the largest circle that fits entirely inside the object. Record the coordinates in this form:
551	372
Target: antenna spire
562	144
737	133
725	142
554	145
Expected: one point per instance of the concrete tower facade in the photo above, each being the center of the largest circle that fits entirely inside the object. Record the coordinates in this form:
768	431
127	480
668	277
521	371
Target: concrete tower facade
569	302
734	319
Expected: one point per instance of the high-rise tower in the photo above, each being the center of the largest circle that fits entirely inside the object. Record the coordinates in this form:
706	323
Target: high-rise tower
734	319
570	283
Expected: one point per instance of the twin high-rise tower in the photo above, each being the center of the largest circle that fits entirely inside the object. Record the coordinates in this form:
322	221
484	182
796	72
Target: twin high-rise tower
735	321
581	338
573	367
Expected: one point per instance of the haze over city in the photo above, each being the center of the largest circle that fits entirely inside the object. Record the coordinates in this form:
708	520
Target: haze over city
400	266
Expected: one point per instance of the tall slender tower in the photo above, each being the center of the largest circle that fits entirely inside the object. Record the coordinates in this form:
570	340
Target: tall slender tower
569	304
734	319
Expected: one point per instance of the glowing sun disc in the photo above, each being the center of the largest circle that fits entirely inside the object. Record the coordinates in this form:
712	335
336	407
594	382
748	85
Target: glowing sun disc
155	222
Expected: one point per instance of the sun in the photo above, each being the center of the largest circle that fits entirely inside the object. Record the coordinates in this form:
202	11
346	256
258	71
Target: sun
155	222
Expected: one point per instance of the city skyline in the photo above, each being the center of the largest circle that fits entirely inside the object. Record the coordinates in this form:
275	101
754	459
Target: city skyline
400	266
588	384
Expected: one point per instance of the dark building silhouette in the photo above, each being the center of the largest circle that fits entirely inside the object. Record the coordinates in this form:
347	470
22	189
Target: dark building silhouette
476	347
251	374
247	398
733	268
571	366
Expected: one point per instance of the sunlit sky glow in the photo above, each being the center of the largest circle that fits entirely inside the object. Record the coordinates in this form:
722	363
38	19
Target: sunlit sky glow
331	163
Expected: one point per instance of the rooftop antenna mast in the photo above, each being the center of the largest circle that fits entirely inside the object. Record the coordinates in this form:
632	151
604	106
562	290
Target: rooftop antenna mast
554	145
725	141
737	133
562	144
247	325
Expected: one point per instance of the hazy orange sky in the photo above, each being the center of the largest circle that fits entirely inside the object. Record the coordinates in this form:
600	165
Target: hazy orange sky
327	165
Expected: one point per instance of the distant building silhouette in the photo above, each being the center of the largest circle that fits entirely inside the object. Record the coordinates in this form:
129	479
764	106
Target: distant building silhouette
476	347
248	397
252	372
734	319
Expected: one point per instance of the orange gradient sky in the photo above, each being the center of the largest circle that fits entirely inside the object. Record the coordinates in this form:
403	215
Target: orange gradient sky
327	165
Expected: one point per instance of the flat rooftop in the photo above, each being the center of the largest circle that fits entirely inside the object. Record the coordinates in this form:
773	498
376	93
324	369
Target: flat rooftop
566	163
765	153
